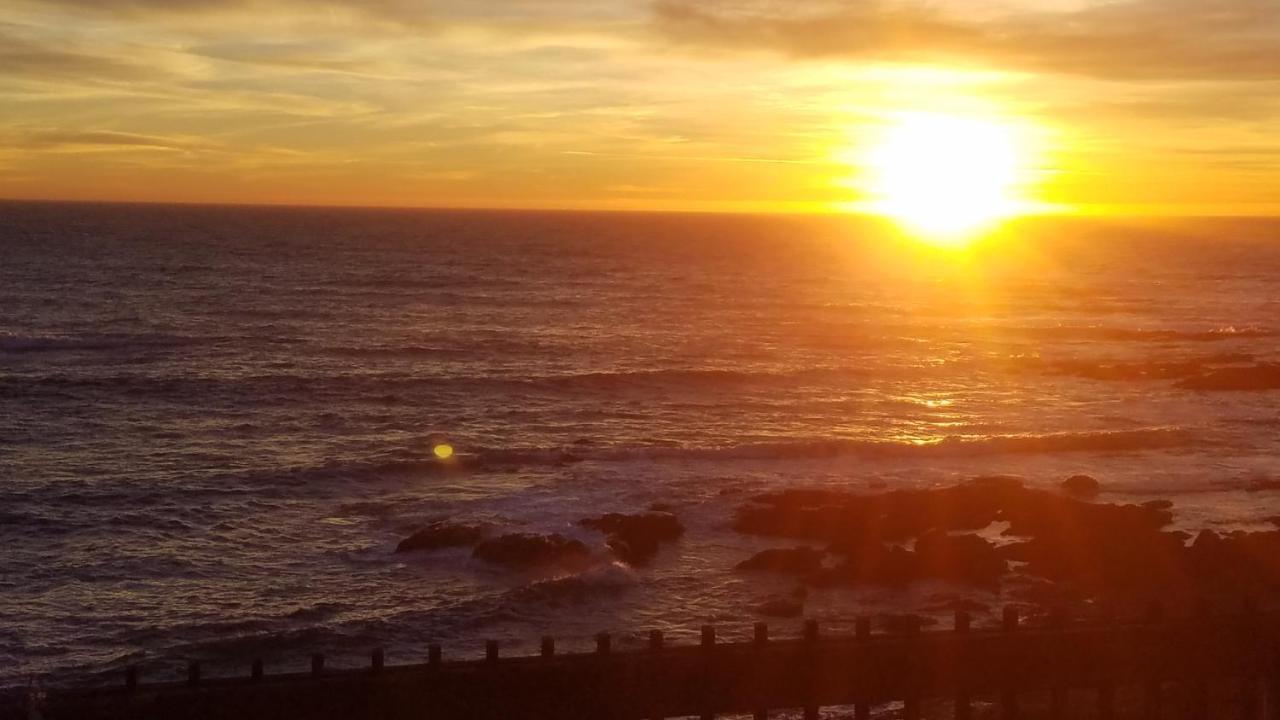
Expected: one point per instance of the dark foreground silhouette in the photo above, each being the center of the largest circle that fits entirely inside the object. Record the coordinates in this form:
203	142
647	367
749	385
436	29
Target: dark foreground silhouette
1200	667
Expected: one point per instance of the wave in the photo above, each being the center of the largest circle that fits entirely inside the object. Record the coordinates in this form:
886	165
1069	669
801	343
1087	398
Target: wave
959	446
1227	332
18	344
500	459
388	387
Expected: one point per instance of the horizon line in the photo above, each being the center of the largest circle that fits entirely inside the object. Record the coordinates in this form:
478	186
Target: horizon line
1096	212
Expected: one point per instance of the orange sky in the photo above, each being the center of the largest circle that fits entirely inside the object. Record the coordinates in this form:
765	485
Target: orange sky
1161	106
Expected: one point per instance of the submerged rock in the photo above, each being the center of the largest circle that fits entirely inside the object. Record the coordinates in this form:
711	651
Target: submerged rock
635	538
521	550
965	559
789	561
1081	486
441	535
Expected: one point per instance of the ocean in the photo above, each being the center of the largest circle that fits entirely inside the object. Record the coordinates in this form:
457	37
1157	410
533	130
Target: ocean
216	423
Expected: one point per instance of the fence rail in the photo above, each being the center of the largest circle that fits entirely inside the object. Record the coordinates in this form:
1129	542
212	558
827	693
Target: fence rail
1010	665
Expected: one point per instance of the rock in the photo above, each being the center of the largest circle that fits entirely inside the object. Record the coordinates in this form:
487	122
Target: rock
661	507
781	608
849	520
1119	559
441	535
635	538
1081	486
635	551
655	524
1069	550
521	550
893	566
964	559
788	561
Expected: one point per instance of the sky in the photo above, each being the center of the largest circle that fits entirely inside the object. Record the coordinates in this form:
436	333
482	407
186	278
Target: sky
1133	106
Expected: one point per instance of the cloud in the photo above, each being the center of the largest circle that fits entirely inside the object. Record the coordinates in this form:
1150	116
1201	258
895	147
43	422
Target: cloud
31	60
1134	39
60	139
406	11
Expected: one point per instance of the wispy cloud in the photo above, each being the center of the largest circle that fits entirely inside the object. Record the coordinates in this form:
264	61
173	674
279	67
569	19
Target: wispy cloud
1135	39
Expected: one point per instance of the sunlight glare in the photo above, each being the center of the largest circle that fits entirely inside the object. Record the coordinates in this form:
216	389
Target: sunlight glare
946	178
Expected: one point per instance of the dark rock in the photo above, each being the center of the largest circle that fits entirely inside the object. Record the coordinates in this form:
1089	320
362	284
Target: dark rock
441	535
661	507
522	550
789	561
852	521
1069	550
634	551
1081	486
658	525
635	538
965	559
781	608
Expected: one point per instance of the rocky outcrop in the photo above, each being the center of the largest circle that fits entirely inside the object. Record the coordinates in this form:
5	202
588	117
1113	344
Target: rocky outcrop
1081	486
521	550
635	538
787	561
441	535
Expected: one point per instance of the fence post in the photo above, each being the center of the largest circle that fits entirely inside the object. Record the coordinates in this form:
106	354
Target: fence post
655	673
548	646
193	673
761	637
1273	685
1250	706
708	645
963	707
131	678
255	671
377	660
862	634
1155	685
1057	693
317	664
1009	696
491	651
911	701
811	669
1202	615
604	644
434	655
1107	701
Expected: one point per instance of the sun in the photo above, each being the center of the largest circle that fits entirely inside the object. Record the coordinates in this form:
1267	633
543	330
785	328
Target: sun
946	178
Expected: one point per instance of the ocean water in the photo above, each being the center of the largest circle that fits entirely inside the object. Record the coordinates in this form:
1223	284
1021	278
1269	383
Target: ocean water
216	423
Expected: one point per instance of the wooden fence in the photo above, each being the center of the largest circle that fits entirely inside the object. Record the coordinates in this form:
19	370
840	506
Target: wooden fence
1200	667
